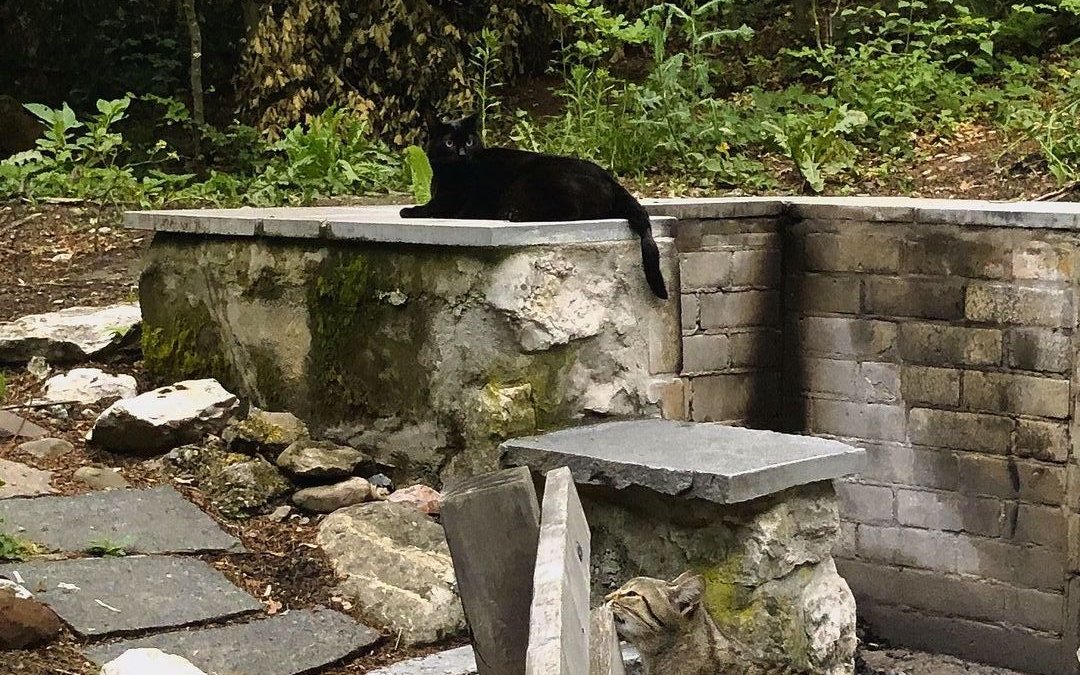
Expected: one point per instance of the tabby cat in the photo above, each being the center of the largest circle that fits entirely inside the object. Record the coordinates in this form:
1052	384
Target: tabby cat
471	181
674	633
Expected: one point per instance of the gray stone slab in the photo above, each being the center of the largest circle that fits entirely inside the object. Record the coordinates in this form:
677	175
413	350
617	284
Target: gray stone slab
11	425
158	520
605	657
707	461
559	615
287	644
381	224
460	661
121	595
715	207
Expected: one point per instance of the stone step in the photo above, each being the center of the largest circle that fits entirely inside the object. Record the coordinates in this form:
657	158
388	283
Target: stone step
158	520
109	596
288	644
461	661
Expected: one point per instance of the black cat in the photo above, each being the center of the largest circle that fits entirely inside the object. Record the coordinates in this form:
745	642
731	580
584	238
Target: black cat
471	181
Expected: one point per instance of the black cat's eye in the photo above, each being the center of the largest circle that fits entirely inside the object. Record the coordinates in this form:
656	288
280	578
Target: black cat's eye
471	142
449	142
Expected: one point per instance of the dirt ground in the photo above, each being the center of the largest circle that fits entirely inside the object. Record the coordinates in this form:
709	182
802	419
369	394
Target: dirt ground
62	255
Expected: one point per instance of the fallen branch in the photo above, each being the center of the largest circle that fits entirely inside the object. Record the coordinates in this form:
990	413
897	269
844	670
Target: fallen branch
1060	192
36	404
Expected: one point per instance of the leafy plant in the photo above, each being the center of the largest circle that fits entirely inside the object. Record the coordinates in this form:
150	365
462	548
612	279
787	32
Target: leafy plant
818	144
105	548
13	548
420	174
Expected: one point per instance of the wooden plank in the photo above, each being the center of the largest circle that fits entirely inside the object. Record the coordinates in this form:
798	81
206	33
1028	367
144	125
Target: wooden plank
605	655
559	617
492	523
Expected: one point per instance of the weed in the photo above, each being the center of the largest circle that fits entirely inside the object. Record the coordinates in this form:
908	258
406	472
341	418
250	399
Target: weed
105	548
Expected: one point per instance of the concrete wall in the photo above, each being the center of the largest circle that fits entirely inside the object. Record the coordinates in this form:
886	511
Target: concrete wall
942	341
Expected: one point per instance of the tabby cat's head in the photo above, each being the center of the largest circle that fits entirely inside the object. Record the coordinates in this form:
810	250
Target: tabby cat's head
456	141
653	611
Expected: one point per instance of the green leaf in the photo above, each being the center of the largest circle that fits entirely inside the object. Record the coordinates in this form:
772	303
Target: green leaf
987	46
420	173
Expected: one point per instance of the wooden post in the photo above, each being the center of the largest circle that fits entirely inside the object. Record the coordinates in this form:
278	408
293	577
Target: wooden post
605	655
492	526
559	618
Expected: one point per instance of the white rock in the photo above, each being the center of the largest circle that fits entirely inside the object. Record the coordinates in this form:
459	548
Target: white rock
20	480
19	591
147	662
70	334
89	385
330	498
165	418
38	367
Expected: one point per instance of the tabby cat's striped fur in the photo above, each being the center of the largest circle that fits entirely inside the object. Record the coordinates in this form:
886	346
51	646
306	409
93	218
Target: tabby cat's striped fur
667	623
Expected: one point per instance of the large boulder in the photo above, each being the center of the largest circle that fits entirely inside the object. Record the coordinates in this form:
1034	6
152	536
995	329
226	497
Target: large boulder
165	418
238	485
25	623
396	569
268	433
88	386
147	662
71	335
317	460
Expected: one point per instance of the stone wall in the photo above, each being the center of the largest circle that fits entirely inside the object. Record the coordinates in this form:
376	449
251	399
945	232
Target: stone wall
943	342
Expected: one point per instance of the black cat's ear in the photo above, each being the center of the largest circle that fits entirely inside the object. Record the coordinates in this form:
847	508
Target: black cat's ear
471	122
686	592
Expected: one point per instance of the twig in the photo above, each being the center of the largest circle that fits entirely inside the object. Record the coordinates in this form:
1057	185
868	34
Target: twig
1053	195
37	404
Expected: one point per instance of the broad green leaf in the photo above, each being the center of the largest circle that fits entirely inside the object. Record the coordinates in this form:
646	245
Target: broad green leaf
420	173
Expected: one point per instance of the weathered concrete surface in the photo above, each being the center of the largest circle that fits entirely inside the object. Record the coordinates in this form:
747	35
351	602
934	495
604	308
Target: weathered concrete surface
165	417
295	642
559	615
395	568
69	335
713	462
425	357
771	581
117	595
20	480
133	517
495	582
605	657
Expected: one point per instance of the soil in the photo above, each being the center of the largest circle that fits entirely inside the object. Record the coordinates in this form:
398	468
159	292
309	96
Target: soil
63	255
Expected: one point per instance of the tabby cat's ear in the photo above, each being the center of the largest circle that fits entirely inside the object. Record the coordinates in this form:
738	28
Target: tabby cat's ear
686	591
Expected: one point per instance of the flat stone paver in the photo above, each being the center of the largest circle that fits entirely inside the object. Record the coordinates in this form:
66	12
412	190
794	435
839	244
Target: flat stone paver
460	661
287	644
119	595
20	480
158	520
707	461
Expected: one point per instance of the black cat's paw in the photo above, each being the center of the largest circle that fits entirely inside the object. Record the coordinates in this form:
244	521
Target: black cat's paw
412	212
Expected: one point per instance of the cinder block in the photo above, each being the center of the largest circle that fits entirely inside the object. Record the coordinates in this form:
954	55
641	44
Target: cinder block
1022	565
930	510
878	544
1041	483
878	382
758	268
912	296
857	420
689	307
1042	261
739	308
1012	393
847	543
705	353
1014	304
859	252
704	270
898	463
930	386
1043	525
937	345
961	430
825	293
862	339
992	476
1037	609
734	396
1048	441
865	503
927	549
1041	349
755	349
827	376
945	255
983	516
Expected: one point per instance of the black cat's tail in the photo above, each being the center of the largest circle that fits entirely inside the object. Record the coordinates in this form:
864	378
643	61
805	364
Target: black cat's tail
629	208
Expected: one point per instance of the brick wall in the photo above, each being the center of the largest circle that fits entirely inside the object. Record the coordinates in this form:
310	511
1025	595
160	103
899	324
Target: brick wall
947	351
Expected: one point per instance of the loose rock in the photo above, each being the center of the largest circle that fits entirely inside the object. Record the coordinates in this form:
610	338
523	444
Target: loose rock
239	485
89	385
147	661
38	367
421	497
13	425
397	569
315	460
383	481
330	498
46	448
265	432
101	478
25	623
70	335
165	418
19	480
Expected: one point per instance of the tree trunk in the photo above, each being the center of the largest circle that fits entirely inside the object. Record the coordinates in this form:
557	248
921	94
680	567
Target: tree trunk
804	24
192	18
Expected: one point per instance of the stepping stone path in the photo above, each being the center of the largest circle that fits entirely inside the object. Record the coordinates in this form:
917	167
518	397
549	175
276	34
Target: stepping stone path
151	596
19	480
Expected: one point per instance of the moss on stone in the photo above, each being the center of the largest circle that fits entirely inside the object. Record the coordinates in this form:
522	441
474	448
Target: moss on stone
266	286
